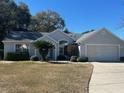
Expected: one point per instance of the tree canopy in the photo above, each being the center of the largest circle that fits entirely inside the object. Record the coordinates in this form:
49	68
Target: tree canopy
47	21
24	15
13	16
8	16
18	17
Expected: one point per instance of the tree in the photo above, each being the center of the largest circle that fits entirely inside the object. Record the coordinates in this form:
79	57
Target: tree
43	47
8	16
72	50
24	16
13	16
66	31
47	22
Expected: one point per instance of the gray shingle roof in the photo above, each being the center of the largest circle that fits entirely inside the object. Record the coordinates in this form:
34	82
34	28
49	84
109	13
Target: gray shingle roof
22	36
28	36
86	35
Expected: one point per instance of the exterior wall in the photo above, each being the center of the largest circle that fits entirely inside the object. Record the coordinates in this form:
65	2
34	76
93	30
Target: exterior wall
10	46
102	37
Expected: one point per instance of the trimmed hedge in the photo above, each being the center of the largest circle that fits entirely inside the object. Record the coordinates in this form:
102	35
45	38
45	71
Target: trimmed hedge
61	57
17	56
82	59
121	58
73	59
34	58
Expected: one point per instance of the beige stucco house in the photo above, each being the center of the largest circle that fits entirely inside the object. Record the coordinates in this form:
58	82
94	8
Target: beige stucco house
98	45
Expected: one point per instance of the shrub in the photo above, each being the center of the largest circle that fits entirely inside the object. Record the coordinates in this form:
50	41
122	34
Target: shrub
73	59
61	58
34	58
121	58
82	59
48	58
43	47
72	50
11	56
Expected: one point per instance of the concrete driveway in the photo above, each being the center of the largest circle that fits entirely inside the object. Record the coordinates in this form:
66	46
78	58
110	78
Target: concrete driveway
107	78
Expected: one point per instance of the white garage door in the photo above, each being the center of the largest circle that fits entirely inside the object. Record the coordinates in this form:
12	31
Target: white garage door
103	52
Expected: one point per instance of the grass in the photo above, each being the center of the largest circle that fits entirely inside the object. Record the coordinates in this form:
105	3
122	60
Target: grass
28	77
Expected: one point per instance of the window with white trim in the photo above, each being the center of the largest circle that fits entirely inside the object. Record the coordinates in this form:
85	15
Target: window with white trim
62	45
21	48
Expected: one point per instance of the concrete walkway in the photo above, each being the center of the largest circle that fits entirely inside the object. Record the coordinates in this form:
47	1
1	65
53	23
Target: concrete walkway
107	78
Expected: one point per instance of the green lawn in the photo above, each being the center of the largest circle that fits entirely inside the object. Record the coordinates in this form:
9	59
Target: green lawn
44	78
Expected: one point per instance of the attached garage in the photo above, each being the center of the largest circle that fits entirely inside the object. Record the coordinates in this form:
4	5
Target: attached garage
103	52
101	45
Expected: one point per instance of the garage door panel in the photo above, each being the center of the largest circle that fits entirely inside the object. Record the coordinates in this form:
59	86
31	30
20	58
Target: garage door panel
102	53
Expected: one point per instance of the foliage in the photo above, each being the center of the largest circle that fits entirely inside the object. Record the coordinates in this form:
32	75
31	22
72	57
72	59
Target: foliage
73	59
61	57
46	22
66	31
34	58
121	58
8	16
1	50
43	47
72	50
18	56
13	16
82	59
18	17
24	15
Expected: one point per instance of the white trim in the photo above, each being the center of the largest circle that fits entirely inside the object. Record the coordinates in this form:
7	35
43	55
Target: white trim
63	33
35	52
86	50
44	37
62	46
63	40
55	52
14	47
51	38
118	45
119	51
17	41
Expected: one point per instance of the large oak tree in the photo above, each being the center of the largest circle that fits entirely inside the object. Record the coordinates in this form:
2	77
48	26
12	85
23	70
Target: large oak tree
47	22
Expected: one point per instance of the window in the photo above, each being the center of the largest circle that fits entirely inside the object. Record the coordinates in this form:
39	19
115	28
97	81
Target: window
62	45
61	51
21	48
63	42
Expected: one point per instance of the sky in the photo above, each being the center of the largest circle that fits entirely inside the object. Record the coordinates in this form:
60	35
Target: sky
84	15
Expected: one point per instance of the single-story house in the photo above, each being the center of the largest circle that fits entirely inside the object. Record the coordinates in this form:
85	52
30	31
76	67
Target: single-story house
98	45
17	41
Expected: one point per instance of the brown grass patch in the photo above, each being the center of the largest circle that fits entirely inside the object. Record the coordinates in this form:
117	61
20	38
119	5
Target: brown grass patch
44	78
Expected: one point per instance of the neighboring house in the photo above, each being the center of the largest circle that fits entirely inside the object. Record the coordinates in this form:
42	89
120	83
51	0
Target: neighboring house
17	41
101	45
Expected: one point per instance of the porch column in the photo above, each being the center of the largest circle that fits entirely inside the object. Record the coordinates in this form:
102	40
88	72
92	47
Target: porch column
35	52
55	52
